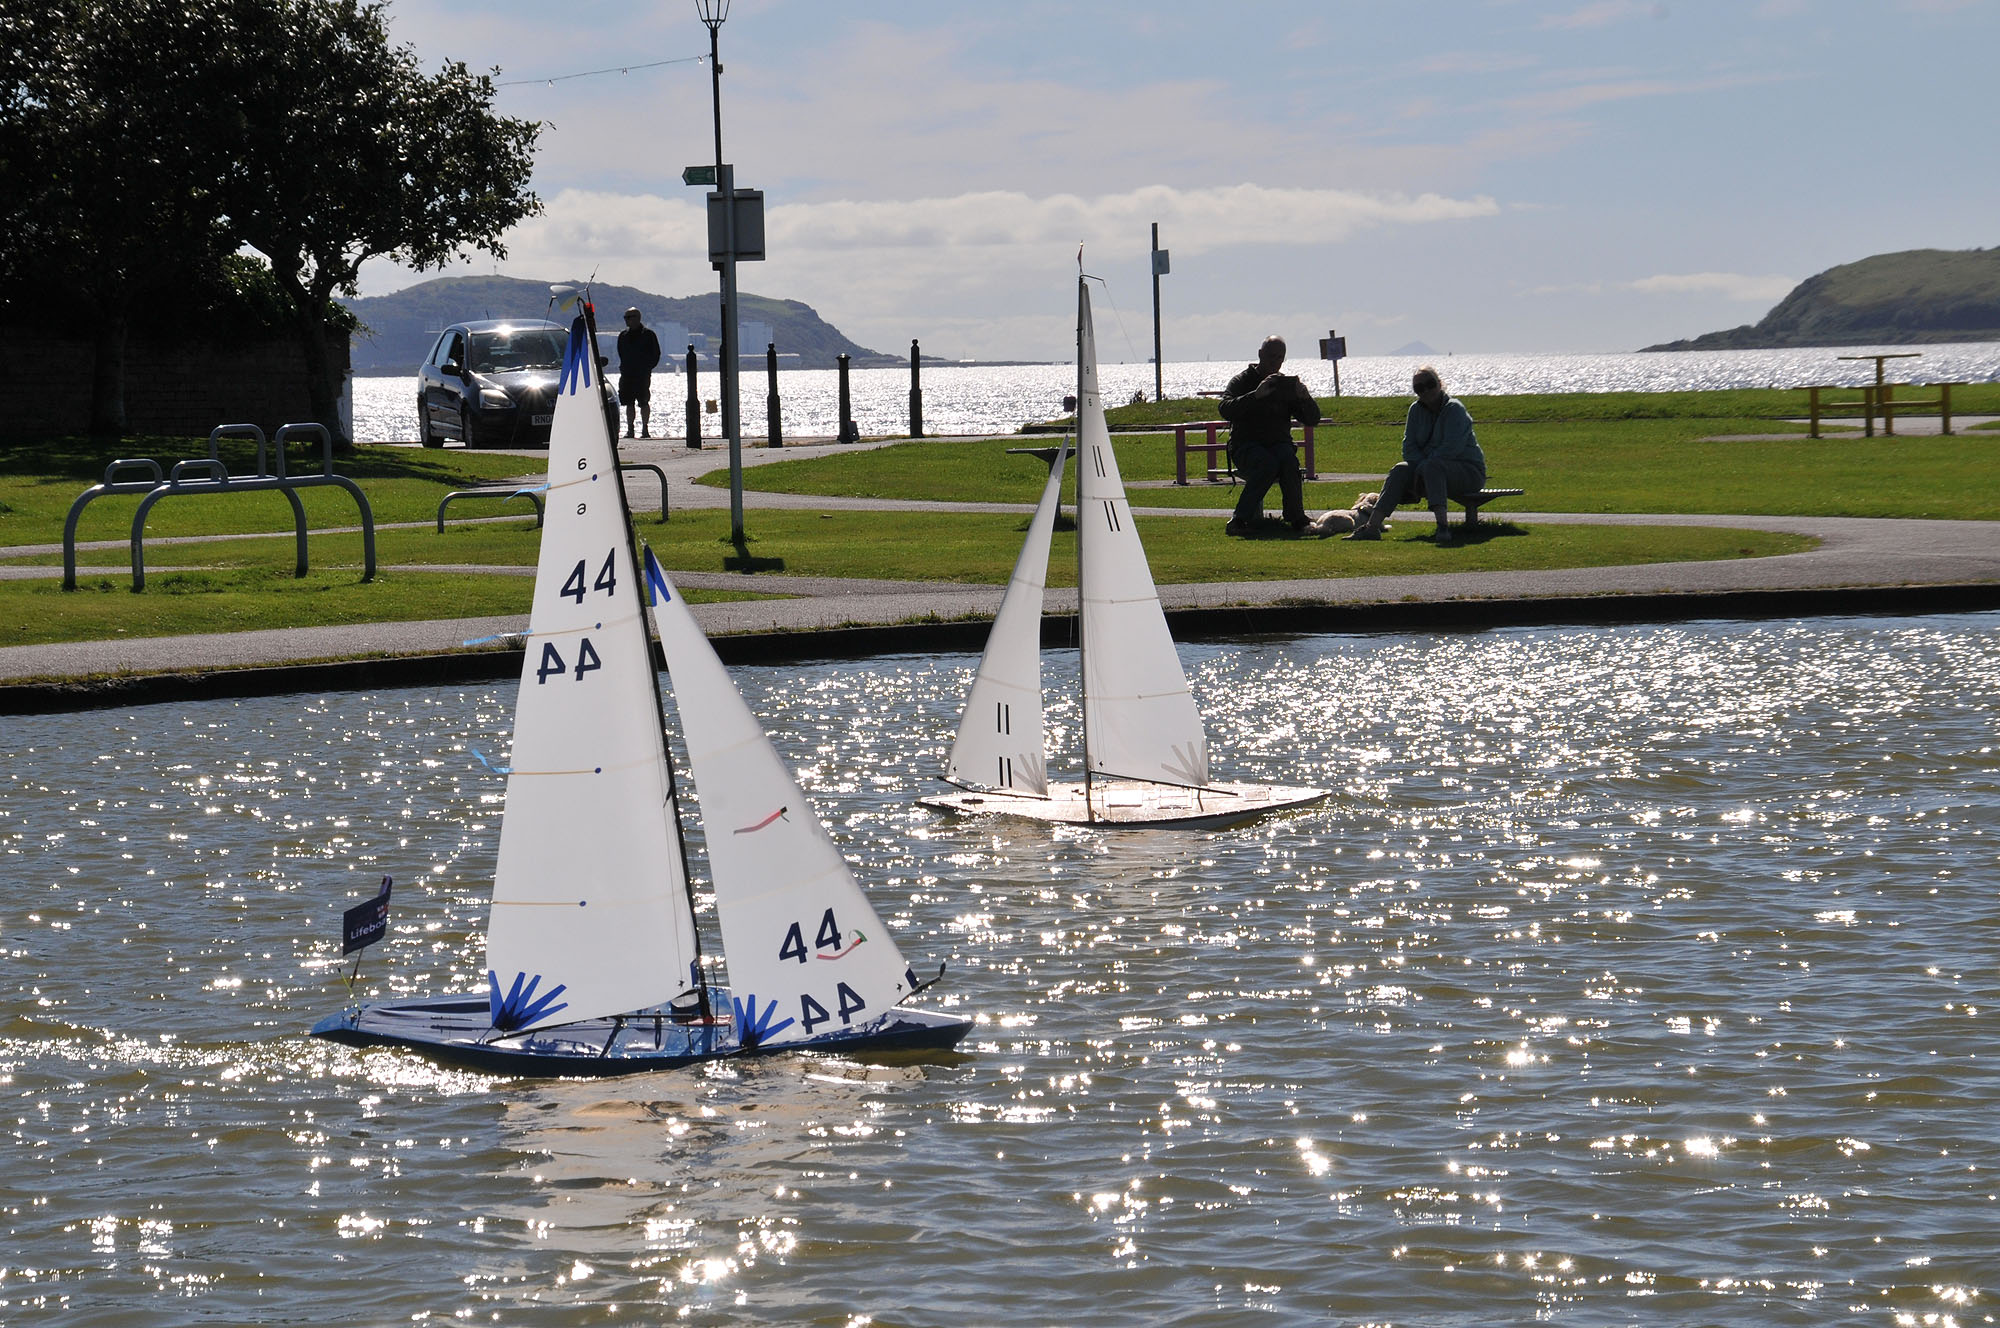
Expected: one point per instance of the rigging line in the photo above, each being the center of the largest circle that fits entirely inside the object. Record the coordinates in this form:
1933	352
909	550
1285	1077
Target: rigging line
594	73
1118	317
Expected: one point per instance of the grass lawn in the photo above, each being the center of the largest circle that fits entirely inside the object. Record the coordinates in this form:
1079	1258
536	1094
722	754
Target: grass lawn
1623	465
40	480
245	599
969	548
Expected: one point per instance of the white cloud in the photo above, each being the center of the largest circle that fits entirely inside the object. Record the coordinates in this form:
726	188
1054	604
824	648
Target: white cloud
1729	285
975	274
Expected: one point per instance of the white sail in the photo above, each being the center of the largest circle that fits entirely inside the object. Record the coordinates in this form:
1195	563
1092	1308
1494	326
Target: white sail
1140	720
590	906
807	954
1000	737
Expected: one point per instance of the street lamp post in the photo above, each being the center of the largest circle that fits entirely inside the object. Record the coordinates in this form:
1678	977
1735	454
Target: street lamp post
714	13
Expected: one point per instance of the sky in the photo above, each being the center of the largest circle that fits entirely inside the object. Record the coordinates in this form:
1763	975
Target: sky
1486	175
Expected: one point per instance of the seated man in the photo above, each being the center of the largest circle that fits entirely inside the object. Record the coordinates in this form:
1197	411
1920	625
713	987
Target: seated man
1262	403
1441	458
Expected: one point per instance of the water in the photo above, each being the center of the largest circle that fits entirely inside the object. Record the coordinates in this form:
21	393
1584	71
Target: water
1635	974
977	399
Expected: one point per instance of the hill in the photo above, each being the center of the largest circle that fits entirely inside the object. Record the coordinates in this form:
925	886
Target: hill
1919	295
398	330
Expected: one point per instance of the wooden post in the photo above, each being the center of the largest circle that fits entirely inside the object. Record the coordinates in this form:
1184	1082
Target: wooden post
916	391
1867	412
773	427
1812	411
1944	407
1886	398
694	401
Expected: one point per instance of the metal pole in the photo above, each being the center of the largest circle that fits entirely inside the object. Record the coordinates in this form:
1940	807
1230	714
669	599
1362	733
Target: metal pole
1159	391
848	433
772	426
732	424
916	392
694	400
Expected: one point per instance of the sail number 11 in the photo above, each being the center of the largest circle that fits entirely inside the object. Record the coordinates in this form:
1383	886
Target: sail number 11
576	587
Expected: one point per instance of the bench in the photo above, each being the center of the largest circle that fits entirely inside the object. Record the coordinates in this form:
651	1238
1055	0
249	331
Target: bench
1212	446
1478	500
1877	400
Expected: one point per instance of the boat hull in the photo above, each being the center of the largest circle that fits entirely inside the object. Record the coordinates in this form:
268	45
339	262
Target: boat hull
1133	805
457	1030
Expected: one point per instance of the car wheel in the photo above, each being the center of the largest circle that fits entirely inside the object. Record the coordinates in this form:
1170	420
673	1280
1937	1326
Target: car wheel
425	434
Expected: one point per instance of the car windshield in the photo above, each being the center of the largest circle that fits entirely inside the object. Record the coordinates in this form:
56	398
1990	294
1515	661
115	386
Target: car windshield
511	350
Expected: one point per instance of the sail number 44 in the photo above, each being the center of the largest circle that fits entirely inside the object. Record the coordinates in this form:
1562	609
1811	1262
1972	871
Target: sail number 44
827	939
576	587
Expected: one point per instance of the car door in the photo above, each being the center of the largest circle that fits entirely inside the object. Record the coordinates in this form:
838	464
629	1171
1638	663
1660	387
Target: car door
444	384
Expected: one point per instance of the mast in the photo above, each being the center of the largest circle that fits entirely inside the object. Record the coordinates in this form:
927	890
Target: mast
1082	618
699	976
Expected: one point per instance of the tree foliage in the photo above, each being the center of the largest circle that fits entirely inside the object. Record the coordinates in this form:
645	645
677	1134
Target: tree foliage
143	141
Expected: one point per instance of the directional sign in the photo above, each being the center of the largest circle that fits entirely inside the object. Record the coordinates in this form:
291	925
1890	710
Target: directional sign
698	175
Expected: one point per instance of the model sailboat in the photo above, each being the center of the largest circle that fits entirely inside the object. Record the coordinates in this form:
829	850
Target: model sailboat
593	959
1145	753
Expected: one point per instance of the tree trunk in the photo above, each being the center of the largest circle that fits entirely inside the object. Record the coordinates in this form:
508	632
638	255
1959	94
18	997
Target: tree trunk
107	374
322	381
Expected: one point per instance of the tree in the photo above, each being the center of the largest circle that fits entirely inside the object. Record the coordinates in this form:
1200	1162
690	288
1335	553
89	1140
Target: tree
342	150
142	141
104	199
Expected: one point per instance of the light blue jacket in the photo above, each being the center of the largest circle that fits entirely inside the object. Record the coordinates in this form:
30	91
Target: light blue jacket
1445	436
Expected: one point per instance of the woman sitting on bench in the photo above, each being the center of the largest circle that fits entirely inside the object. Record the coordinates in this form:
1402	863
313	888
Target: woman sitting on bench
1441	458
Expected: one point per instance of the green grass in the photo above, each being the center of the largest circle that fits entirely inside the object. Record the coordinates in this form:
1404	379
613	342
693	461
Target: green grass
1625	465
244	599
1765	403
968	548
40	480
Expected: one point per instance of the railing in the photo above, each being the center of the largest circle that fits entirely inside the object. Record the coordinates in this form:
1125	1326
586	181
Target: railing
210	476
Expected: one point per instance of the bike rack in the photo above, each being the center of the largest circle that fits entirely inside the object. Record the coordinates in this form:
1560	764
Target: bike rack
211	476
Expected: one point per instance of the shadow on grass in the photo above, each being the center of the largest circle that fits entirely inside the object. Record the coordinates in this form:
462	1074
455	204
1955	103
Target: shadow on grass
745	561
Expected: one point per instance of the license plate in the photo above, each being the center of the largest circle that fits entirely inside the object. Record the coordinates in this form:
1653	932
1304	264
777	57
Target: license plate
544	419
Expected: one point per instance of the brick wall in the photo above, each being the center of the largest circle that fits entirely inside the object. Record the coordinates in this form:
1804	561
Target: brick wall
181	388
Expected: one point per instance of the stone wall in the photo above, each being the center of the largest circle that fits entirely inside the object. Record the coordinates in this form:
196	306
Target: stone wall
180	388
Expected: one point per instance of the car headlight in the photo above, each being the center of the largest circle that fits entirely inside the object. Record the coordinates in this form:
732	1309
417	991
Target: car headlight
492	398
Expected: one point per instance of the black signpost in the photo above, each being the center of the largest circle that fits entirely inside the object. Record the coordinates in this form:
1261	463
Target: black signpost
1333	348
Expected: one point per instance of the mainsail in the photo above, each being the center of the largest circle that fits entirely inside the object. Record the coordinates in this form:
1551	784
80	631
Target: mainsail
807	955
1139	717
590	905
1001	735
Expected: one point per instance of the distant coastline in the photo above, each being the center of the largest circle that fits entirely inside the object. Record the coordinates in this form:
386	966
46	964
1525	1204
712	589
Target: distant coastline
1916	297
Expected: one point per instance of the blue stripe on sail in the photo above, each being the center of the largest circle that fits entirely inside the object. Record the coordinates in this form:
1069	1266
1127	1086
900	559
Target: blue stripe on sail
656	579
520	1006
576	361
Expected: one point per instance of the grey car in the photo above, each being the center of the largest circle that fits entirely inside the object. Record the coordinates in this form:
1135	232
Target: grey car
492	383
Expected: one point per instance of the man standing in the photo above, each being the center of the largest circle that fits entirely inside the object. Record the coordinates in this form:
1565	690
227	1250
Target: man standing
1441	458
638	356
1262	403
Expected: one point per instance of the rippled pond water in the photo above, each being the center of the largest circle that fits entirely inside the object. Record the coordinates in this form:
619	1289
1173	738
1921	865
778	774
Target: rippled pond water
1634	974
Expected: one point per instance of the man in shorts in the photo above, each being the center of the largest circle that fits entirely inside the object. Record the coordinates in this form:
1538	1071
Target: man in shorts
638	356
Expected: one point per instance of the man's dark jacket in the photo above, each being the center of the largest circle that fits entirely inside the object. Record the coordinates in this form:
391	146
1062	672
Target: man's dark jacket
1266	422
638	351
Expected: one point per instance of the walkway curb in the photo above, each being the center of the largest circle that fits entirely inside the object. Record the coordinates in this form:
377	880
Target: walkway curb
449	668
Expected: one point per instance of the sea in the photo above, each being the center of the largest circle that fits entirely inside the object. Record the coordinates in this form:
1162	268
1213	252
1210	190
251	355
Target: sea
1631	974
999	399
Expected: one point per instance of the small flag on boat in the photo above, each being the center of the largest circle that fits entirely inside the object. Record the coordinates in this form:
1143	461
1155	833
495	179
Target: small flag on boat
366	923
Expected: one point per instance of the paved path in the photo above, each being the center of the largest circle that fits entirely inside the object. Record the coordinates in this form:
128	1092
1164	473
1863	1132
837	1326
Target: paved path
1853	553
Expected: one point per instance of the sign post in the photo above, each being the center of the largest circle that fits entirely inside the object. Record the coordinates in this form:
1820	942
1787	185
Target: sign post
1161	267
1332	347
